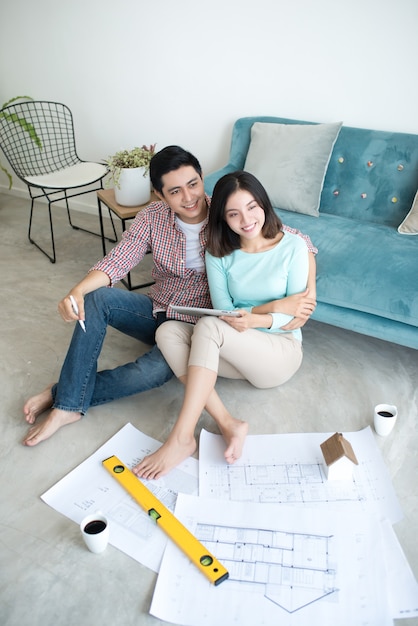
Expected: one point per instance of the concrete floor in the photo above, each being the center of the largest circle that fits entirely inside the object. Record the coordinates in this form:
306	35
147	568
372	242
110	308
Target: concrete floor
47	575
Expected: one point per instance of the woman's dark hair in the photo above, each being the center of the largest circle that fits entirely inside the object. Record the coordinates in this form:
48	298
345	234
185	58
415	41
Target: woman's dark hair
221	239
168	159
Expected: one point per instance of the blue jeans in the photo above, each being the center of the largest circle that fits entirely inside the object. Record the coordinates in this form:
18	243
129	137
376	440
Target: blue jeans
80	384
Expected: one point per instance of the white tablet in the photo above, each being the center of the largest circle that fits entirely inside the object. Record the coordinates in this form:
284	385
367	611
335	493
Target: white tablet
194	310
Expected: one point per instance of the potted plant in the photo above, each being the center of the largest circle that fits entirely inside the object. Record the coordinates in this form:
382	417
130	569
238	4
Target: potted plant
12	118
129	172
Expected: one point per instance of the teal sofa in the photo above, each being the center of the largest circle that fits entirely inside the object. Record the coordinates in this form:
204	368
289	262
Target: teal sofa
367	272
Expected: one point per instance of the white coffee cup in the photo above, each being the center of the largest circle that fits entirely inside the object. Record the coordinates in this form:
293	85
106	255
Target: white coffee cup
95	531
385	416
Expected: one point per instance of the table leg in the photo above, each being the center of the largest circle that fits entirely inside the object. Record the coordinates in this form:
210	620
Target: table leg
99	203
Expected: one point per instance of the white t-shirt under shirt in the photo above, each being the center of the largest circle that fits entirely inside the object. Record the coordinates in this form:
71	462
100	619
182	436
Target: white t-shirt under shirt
193	249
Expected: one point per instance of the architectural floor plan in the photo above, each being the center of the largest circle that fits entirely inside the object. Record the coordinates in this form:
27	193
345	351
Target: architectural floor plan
288	469
293	569
89	488
283	483
285	567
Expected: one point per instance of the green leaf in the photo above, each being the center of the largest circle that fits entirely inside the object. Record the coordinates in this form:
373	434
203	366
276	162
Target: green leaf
127	159
3	169
15	119
12	117
14	100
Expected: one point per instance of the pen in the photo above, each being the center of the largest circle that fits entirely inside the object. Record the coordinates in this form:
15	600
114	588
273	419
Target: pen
75	309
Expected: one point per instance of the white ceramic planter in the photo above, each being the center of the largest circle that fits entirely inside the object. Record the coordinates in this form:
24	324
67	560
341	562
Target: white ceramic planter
135	188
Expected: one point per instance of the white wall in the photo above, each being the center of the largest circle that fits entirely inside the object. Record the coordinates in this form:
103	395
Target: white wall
165	71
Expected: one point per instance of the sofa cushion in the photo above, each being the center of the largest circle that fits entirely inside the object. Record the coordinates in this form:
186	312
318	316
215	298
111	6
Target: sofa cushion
363	266
291	161
410	224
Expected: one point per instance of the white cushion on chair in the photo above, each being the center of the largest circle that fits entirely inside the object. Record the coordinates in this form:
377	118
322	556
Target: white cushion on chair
77	175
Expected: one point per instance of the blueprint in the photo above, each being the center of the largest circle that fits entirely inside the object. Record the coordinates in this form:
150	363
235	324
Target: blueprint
298	550
288	469
285	568
90	488
295	569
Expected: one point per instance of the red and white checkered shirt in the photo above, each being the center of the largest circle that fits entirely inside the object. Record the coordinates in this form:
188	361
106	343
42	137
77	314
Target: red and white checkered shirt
155	230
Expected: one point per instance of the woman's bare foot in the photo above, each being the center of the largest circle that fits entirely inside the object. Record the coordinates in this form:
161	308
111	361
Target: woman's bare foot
45	429
172	453
234	432
37	405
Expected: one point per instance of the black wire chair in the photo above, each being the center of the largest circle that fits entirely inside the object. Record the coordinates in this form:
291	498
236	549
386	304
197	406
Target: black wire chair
37	138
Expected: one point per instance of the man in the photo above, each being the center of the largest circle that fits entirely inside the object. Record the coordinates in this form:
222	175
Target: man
174	230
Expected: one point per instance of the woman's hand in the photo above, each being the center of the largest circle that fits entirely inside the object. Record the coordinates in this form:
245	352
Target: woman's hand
303	307
299	305
296	322
248	320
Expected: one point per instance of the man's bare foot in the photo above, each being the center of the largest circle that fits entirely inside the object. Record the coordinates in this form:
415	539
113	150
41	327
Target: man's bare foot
49	426
234	432
171	454
37	405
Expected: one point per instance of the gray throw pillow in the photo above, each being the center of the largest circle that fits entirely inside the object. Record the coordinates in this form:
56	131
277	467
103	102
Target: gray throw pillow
410	224
291	161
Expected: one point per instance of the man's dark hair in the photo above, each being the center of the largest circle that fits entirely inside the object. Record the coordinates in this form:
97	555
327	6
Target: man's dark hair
168	159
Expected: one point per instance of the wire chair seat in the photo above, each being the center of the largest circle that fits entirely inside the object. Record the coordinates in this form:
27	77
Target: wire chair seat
37	138
83	173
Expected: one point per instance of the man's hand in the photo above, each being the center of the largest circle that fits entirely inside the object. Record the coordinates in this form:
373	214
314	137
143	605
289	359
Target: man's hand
66	309
91	282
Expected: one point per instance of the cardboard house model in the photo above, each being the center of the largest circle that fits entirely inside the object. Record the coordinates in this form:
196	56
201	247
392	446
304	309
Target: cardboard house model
339	458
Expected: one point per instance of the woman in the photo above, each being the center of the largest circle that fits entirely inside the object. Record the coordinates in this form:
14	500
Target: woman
253	266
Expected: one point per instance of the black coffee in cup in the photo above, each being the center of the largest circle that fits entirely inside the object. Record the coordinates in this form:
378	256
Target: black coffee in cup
385	413
95	527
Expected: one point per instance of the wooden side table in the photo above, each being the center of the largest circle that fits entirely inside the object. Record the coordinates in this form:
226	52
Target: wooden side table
124	213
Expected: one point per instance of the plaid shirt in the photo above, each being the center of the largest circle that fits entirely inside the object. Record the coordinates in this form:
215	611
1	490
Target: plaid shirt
155	230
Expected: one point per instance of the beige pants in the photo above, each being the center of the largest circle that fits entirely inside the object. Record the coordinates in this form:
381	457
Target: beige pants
264	359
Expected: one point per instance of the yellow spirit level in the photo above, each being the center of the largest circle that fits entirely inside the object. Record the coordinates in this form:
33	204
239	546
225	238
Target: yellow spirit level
182	537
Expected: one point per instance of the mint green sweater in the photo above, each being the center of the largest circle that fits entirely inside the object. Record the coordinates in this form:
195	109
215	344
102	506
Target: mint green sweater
242	280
